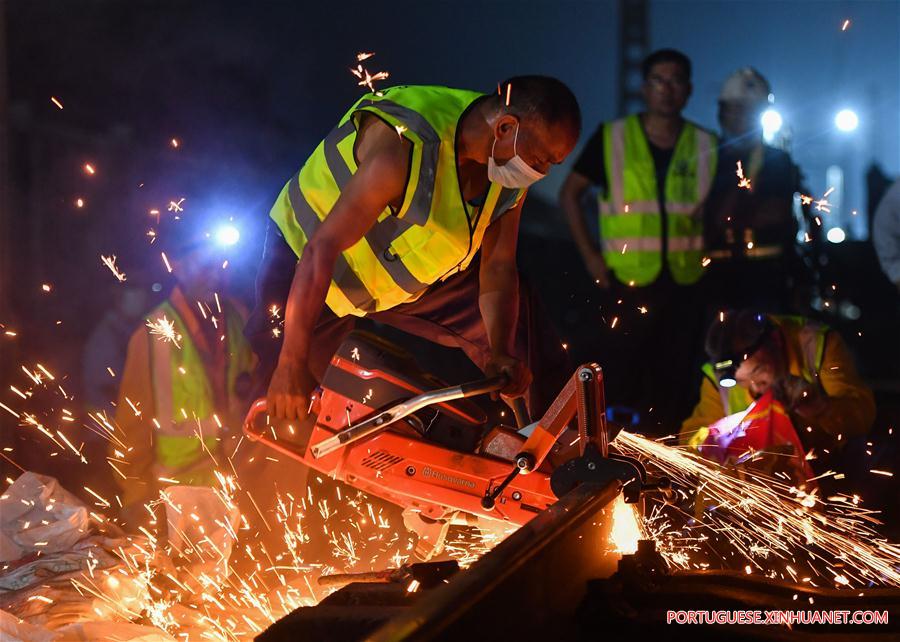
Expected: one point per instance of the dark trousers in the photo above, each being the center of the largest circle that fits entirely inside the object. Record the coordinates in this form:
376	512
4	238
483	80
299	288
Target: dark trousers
651	357
447	314
762	284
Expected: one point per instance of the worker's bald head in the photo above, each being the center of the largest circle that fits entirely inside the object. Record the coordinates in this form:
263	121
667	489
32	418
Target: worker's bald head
540	100
536	117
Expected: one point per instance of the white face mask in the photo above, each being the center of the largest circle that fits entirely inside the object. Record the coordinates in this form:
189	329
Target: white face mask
514	173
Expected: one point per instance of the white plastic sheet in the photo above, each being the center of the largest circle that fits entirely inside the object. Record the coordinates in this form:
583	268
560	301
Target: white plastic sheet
201	525
38	515
12	629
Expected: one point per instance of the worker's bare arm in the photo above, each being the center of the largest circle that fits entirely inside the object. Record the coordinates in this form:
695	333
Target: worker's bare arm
570	195
499	297
381	179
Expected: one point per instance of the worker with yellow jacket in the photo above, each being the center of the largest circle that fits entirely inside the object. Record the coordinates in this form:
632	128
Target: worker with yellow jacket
407	214
186	381
805	365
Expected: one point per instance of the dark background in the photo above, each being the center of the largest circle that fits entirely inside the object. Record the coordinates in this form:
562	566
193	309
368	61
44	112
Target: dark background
249	88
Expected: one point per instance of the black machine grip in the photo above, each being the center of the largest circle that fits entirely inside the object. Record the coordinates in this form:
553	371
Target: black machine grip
483	386
493	384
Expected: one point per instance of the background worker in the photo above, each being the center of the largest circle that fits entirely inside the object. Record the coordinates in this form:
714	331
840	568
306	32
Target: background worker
191	388
749	228
387	218
653	171
806	366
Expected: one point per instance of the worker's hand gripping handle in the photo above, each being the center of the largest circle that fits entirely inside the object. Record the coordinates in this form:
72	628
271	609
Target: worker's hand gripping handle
256	409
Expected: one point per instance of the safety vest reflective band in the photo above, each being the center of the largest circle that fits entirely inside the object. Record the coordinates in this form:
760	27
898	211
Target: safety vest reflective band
184	400
433	234
630	221
803	336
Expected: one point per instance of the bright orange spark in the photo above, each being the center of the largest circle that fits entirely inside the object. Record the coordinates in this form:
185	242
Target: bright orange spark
56	101
110	262
743	182
89	169
165	330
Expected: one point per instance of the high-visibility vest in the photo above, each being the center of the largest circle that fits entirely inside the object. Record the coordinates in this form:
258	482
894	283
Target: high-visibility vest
805	339
433	235
630	221
185	405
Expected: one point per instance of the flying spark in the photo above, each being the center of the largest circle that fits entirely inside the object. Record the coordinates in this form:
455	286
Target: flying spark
110	262
758	520
165	330
367	79
743	182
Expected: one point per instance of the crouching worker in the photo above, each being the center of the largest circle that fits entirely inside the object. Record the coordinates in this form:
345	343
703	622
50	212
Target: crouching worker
186	382
806	396
408	214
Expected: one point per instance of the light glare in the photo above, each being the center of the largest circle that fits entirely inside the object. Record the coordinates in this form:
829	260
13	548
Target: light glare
846	120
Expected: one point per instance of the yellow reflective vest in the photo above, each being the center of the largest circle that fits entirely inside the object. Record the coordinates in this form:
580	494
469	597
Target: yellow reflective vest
433	234
630	221
182	417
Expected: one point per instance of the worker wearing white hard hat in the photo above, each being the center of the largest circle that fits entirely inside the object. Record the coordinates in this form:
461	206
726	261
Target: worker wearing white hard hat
749	227
742	101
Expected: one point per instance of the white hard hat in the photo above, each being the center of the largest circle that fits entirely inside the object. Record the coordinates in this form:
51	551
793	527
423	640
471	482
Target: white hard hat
745	85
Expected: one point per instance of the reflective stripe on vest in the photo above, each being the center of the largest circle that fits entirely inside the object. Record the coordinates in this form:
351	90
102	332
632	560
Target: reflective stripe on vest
630	221
809	335
430	237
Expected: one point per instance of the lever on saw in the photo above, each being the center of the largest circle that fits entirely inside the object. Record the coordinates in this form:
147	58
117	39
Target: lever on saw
403	409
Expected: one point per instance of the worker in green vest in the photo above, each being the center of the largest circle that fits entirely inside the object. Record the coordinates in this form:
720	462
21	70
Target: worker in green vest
387	217
186	382
651	172
805	364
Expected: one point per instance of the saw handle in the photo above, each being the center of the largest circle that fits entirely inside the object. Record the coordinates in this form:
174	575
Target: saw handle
256	408
469	389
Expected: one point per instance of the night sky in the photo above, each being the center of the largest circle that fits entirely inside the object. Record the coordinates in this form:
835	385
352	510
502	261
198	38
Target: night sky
275	73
